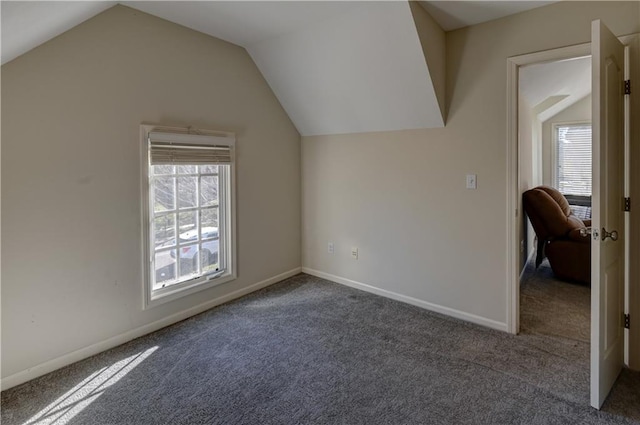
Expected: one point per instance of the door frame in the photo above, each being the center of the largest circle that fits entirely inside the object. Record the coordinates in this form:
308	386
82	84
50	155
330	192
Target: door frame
632	222
514	207
514	204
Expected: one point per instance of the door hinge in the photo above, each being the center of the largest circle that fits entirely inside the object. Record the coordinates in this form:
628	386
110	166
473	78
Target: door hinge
627	86
627	204
627	321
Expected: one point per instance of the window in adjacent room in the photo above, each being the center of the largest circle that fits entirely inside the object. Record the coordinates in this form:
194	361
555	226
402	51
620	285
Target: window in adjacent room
573	159
188	212
572	165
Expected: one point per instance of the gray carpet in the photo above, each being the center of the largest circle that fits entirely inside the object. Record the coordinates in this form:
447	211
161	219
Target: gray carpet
549	306
307	351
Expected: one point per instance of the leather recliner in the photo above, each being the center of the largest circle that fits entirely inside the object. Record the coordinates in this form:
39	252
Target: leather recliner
561	235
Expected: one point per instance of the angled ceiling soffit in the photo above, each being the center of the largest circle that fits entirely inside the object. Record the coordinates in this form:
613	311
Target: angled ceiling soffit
432	40
358	71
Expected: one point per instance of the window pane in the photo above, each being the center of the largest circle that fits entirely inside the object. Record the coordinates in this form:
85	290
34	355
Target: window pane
162	169
209	222
209	256
573	155
186	169
164	194
165	230
184	224
165	269
188	260
208	191
209	169
187	195
188	226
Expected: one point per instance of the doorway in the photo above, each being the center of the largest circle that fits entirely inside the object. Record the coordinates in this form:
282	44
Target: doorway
518	252
555	151
514	203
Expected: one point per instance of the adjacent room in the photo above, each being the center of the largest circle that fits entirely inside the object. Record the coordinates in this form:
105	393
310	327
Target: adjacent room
555	158
313	212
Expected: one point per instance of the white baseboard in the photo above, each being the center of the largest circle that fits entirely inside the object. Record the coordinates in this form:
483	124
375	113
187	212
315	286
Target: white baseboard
83	353
483	321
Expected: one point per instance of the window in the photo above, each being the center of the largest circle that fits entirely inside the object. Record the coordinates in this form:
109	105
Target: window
188	230
572	165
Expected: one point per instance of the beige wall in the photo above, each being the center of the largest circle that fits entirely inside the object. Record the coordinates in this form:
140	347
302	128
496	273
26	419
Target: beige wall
400	196
71	204
526	164
579	111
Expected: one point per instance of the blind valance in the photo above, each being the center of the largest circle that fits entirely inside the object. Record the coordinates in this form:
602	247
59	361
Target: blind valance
177	149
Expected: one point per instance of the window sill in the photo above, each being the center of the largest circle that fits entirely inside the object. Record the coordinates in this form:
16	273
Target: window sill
172	293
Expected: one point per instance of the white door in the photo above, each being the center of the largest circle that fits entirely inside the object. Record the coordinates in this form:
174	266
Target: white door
607	245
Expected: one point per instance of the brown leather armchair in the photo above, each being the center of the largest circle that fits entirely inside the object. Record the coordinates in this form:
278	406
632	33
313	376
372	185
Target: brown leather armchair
561	235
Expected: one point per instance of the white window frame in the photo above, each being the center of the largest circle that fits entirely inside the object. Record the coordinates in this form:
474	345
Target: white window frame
226	224
554	147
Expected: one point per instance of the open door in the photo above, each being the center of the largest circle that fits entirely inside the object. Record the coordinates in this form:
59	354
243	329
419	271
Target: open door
607	245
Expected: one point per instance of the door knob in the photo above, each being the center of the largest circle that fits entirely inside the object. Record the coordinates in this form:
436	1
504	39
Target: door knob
613	234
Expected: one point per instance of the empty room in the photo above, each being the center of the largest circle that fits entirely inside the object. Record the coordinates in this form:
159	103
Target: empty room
262	212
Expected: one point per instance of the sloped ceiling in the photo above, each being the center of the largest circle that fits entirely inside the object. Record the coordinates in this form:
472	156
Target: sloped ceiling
27	24
456	14
336	67
347	75
551	87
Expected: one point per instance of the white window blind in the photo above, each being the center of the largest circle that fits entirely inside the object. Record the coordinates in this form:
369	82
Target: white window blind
573	159
193	149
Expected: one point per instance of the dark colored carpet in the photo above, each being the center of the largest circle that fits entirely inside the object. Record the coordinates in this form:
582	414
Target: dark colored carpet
312	352
549	306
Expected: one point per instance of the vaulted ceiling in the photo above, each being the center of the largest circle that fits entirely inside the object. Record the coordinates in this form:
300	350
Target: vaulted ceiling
336	67
347	75
554	86
452	15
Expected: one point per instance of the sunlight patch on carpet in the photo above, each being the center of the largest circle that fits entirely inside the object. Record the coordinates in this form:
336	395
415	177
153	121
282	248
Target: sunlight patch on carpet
61	411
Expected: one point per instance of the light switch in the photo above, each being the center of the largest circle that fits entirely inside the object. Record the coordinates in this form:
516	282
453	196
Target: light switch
472	182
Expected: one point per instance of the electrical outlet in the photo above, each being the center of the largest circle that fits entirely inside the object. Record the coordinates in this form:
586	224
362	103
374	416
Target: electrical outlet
354	253
330	248
472	181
